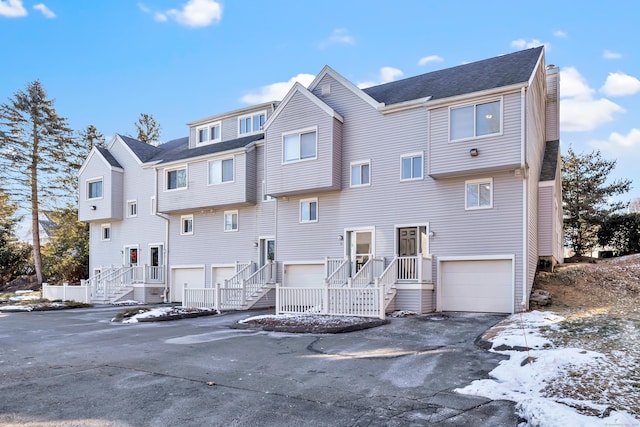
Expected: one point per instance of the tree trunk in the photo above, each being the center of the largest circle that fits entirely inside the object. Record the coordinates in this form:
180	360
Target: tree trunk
35	210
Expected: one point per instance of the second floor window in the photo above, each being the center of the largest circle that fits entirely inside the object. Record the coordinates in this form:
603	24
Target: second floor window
106	231
94	189
475	120
220	171
132	208
187	225
411	166
479	194
177	178
299	146
309	210
231	221
360	174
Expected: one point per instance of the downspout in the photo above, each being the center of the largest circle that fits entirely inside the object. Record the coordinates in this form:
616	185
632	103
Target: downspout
525	199
165	254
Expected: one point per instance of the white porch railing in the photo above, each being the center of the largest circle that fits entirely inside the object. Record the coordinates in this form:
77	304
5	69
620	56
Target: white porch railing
243	271
332	264
365	302
340	274
66	292
199	297
265	274
367	274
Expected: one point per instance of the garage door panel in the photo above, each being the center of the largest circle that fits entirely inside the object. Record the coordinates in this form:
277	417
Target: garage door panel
479	286
193	277
304	275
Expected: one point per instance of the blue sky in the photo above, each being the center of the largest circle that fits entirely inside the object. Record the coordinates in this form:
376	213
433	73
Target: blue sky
107	61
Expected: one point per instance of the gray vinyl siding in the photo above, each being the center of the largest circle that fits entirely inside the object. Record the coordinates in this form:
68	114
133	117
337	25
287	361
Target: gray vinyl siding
317	174
210	244
545	221
109	207
535	140
199	194
141	230
264	210
553	107
451	158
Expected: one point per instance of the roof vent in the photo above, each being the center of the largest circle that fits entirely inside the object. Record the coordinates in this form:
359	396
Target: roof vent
325	89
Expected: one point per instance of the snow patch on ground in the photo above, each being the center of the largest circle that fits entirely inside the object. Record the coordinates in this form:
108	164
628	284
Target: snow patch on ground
524	377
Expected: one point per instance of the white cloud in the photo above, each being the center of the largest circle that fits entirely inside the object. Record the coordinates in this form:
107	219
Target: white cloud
572	84
339	36
619	144
579	111
276	91
387	74
12	9
48	13
620	84
607	54
194	14
560	34
428	59
527	44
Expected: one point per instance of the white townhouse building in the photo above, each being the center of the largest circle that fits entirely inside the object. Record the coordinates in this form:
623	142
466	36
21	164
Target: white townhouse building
439	192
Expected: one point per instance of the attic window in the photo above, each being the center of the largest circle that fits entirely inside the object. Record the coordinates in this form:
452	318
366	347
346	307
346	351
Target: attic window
251	123
208	133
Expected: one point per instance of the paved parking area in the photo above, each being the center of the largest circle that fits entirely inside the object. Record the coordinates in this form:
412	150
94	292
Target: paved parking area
76	368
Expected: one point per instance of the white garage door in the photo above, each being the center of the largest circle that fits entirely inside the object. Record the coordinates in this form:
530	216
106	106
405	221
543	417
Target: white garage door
220	274
193	277
480	286
304	275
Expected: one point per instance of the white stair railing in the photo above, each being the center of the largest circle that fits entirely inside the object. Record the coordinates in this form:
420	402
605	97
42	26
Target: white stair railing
243	271
255	282
365	277
340	274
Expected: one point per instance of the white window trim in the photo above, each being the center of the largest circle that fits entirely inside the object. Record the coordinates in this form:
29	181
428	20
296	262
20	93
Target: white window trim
233	179
92	180
360	163
153	205
412	155
300	132
184	218
208	126
478	181
129	204
252	132
310	200
475	104
224	225
102	227
166	180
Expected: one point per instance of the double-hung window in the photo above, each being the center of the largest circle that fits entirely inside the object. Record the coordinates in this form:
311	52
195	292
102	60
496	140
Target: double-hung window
475	120
360	173
186	225
411	166
176	178
231	221
105	232
251	123
208	133
309	210
479	194
300	145
94	189
220	171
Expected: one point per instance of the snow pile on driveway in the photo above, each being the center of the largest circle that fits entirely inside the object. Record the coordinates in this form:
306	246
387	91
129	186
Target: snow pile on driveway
553	382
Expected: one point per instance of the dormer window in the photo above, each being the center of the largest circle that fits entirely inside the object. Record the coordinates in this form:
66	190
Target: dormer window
251	123
208	133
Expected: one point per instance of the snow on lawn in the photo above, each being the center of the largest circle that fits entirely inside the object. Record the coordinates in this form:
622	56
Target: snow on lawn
160	312
526	376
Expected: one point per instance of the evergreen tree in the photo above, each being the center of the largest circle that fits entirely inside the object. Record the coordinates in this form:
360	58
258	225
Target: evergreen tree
148	129
622	233
587	197
93	136
14	256
66	254
36	151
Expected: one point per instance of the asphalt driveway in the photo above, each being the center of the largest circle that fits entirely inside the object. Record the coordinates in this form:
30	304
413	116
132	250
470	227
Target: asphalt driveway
76	368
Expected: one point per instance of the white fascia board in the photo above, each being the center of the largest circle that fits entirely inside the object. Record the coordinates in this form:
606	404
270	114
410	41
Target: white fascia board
298	88
187	160
473	95
239	112
346	83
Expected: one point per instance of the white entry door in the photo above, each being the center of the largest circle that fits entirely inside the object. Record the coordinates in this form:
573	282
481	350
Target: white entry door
360	248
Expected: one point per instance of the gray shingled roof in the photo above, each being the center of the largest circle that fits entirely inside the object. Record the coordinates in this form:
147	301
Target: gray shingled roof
178	149
550	161
142	150
108	157
490	73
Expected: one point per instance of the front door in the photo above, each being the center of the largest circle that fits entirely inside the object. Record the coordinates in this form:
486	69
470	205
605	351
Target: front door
408	241
361	249
155	263
131	256
267	251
